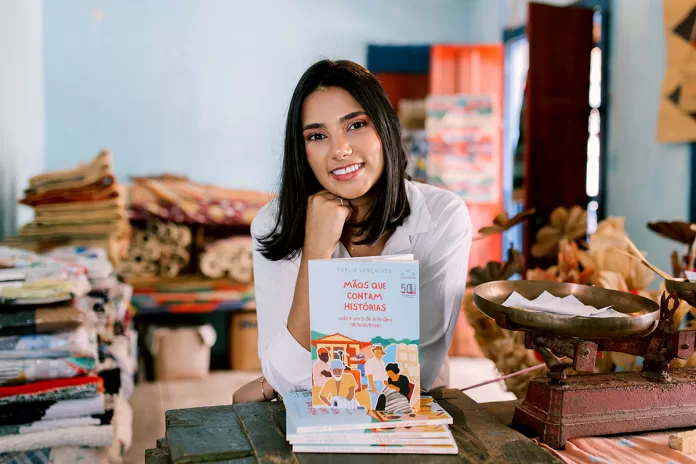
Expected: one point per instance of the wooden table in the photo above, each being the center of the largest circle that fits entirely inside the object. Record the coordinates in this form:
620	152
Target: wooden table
255	432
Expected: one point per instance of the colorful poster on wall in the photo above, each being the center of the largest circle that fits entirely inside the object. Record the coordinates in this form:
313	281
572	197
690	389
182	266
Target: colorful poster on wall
463	142
677	117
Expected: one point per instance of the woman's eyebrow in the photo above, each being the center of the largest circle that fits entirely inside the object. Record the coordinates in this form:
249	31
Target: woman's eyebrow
317	125
314	125
353	115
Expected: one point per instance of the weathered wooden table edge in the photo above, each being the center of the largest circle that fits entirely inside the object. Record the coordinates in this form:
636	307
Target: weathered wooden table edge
255	432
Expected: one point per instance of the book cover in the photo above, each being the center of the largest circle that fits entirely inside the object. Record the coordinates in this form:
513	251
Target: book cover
308	418
365	330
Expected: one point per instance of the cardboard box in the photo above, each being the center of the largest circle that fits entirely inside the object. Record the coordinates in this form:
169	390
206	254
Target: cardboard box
244	341
181	352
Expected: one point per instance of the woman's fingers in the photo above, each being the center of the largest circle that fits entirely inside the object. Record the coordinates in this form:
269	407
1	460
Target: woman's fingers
333	198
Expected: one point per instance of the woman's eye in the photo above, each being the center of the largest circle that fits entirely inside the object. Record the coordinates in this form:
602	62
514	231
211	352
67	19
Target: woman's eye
357	125
315	136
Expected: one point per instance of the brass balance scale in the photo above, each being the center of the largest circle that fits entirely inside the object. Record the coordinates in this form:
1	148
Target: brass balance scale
562	405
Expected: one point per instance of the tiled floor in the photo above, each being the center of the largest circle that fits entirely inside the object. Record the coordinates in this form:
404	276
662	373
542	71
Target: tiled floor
151	400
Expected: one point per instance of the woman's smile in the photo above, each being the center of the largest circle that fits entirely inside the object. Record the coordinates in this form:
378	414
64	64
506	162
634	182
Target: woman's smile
347	173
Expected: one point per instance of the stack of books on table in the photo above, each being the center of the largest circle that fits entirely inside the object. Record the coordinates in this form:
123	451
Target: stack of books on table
365	354
312	429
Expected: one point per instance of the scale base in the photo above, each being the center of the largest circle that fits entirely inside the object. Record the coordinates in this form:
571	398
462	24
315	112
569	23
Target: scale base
605	404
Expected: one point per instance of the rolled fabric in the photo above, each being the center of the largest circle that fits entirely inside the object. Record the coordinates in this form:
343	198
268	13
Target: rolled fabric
184	239
138	254
181	256
212	266
152	250
156	228
170	269
133	267
150	268
170	233
241	266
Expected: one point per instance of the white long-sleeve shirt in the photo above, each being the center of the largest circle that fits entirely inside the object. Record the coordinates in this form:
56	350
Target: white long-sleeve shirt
438	233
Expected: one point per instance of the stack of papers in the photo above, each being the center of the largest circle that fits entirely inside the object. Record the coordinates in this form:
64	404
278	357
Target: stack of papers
567	306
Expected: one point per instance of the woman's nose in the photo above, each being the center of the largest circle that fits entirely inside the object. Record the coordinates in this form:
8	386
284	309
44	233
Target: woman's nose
341	148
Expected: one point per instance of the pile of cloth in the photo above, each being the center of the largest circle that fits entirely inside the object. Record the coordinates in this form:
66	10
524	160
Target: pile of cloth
67	357
180	200
82	206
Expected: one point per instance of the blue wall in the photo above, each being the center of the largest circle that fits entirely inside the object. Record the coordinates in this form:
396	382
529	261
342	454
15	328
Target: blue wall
202	88
646	180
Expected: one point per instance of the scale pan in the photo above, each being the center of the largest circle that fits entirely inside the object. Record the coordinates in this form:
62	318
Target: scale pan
684	290
644	312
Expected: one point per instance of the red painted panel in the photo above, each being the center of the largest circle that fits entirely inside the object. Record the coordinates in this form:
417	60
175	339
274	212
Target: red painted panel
404	86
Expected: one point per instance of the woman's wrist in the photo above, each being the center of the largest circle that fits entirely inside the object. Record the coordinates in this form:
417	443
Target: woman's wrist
268	388
309	253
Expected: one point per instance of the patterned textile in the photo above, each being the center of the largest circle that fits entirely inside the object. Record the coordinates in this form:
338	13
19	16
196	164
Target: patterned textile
27	413
57	455
79	342
19	371
93	436
112	387
416	145
45	291
13	393
95	260
52	390
120	352
180	200
49	424
47	320
37	456
645	448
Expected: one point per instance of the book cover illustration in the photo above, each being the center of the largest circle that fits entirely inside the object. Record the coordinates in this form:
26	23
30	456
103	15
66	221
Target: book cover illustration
364	318
308	418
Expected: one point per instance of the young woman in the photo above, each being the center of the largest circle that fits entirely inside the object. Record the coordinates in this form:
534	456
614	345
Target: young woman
343	193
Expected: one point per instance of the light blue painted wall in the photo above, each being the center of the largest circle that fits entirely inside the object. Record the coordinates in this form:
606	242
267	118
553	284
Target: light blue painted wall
202	88
21	106
646	180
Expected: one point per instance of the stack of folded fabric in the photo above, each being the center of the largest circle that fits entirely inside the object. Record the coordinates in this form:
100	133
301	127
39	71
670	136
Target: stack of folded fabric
81	206
108	303
61	395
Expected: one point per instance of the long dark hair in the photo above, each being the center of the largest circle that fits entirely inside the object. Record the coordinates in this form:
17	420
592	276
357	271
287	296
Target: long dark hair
298	182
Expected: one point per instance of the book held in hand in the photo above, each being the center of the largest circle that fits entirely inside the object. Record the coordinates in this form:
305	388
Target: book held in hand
365	334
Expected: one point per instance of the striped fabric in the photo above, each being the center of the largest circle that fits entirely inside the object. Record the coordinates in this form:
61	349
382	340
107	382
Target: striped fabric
21	371
37	456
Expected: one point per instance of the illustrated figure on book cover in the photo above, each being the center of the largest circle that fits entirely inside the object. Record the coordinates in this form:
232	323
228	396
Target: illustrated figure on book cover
365	335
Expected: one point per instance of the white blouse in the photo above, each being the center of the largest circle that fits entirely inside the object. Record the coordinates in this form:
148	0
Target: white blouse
438	233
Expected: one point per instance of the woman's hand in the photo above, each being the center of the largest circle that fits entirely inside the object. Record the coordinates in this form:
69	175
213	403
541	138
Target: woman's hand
326	217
